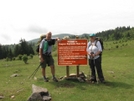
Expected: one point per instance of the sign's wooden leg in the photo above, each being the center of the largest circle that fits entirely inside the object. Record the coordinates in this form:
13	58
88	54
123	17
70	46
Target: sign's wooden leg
67	71
77	68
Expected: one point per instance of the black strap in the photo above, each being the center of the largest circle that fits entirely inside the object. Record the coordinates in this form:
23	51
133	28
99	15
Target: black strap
47	54
91	43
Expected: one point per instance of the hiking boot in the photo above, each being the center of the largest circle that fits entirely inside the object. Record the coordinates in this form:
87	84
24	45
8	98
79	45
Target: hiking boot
45	79
101	81
92	81
55	79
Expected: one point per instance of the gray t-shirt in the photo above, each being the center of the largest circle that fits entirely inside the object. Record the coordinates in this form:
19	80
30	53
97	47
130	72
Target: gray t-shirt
47	49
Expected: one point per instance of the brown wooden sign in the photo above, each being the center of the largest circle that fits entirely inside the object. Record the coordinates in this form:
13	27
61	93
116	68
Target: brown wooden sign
72	52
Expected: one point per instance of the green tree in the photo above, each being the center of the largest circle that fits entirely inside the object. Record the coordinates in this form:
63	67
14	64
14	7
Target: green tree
17	50
1	52
25	47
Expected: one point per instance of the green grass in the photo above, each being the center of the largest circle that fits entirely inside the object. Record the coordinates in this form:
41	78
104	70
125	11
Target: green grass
117	64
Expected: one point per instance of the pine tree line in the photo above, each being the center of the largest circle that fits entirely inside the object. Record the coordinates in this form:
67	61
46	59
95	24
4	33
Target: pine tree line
11	51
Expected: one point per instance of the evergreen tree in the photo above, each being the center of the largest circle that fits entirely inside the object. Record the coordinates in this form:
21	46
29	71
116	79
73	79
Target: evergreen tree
10	54
1	53
17	50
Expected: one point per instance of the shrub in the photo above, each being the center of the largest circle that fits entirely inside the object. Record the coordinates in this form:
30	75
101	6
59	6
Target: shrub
20	57
7	59
31	56
117	46
116	42
13	58
25	58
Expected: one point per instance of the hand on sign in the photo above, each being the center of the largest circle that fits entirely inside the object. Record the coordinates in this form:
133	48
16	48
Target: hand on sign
58	39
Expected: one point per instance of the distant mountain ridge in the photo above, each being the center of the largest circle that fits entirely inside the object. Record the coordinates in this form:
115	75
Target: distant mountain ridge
54	36
119	33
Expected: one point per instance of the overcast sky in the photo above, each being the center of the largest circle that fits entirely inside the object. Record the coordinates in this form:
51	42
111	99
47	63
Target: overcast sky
28	19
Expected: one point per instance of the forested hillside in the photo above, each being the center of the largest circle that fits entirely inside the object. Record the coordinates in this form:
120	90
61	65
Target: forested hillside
117	34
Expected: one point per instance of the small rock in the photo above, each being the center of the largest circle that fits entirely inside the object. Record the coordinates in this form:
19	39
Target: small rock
112	72
39	94
73	75
35	78
80	79
37	89
2	97
35	97
12	96
14	75
47	98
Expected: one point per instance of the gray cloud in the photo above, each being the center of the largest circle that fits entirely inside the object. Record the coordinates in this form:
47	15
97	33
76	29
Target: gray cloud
5	37
36	29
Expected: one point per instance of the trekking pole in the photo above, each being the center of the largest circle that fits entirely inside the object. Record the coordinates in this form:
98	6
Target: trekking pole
33	74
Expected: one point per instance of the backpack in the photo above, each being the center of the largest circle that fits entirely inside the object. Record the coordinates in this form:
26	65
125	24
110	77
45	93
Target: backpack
101	42
46	44
45	47
37	49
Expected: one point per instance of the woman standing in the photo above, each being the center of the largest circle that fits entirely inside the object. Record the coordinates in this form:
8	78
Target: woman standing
94	49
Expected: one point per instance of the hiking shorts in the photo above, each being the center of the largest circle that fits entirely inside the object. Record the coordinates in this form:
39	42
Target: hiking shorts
48	61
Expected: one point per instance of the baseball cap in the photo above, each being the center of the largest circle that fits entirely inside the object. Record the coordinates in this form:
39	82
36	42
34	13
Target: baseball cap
92	35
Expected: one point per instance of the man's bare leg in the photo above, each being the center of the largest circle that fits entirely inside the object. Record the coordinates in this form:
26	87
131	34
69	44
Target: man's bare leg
53	72
44	74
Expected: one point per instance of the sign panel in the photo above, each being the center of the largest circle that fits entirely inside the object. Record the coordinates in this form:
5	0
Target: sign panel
72	52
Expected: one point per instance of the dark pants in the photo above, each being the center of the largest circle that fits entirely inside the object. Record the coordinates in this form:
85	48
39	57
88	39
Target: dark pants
95	65
48	60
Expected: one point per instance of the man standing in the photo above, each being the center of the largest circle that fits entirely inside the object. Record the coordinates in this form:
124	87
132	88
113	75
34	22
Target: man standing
46	57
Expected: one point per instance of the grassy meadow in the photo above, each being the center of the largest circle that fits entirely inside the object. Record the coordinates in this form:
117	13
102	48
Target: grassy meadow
117	65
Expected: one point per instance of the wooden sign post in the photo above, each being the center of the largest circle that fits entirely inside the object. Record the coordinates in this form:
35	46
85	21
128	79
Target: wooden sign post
72	53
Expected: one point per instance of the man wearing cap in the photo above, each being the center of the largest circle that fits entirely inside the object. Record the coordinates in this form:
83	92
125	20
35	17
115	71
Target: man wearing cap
46	57
93	50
